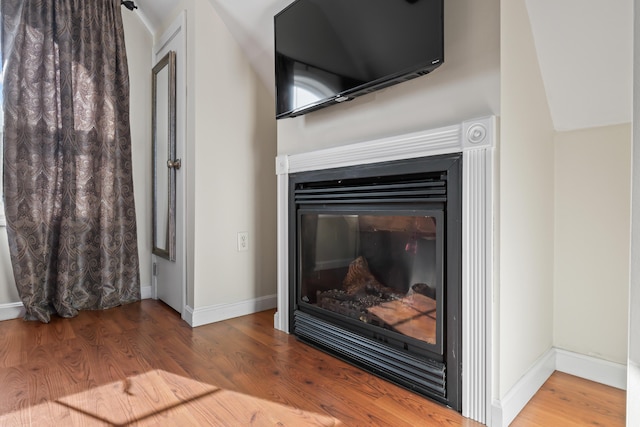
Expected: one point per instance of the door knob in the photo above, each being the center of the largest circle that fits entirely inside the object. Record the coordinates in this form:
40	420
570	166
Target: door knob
175	164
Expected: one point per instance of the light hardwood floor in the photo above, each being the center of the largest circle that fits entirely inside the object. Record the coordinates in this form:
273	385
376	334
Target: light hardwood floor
142	365
568	401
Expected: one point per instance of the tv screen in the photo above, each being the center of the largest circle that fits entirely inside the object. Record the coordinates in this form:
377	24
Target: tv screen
329	51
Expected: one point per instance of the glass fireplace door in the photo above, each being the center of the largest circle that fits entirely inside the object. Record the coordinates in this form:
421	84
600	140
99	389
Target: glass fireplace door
381	271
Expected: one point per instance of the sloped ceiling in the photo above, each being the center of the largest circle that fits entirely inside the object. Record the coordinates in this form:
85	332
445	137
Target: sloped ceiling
249	21
584	51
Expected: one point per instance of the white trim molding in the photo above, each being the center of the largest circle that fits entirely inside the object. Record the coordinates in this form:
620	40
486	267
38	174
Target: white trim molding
146	292
476	140
15	310
216	313
591	368
504	411
633	384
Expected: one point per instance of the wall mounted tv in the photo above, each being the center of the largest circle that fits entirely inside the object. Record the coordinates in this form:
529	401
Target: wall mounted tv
330	51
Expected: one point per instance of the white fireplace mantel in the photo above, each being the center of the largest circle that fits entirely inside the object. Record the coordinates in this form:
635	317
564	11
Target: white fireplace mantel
475	139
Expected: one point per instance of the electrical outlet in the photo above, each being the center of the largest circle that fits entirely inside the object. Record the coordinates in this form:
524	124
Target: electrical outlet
243	241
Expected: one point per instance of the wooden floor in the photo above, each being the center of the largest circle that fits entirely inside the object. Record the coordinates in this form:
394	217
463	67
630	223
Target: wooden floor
142	365
568	401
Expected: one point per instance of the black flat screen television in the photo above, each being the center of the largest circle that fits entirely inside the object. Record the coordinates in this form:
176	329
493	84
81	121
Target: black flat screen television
329	51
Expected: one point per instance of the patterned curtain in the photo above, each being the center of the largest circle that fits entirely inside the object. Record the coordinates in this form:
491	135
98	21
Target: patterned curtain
67	156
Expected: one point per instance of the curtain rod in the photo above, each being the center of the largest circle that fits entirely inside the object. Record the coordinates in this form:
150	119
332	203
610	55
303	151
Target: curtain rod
128	4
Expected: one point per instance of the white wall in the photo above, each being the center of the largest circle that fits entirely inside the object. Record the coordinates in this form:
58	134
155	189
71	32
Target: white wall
8	291
138	43
467	85
235	181
525	207
633	368
592	237
231	141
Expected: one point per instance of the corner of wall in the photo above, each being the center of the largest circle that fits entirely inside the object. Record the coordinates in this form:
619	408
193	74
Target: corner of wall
506	409
525	210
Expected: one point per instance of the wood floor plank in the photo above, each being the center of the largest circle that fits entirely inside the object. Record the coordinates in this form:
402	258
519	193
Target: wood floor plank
132	399
13	352
260	328
141	365
14	393
54	414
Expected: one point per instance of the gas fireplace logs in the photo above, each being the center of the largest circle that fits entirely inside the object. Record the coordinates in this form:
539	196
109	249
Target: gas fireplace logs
364	298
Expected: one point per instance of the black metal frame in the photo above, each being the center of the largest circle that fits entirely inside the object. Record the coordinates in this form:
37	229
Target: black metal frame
394	339
419	367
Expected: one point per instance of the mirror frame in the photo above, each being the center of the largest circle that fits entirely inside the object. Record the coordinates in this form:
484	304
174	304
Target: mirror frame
168	61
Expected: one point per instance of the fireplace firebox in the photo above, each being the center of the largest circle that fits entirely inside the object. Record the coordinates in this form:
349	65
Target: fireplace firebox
375	269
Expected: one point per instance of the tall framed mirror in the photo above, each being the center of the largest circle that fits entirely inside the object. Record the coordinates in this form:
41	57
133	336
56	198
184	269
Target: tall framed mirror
165	165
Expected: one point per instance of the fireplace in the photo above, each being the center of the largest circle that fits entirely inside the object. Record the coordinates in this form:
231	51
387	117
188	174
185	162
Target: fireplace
375	256
318	270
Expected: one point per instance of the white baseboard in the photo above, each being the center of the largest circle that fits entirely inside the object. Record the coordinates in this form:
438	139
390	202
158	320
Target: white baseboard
15	310
504	411
591	368
216	313
633	393
146	292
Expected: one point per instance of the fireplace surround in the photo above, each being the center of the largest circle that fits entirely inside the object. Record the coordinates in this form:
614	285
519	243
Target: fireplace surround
474	140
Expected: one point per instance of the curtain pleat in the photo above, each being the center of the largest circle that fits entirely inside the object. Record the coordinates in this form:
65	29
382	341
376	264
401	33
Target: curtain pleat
68	181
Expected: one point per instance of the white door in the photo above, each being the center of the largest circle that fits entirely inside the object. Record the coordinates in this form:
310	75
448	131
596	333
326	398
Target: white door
169	276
